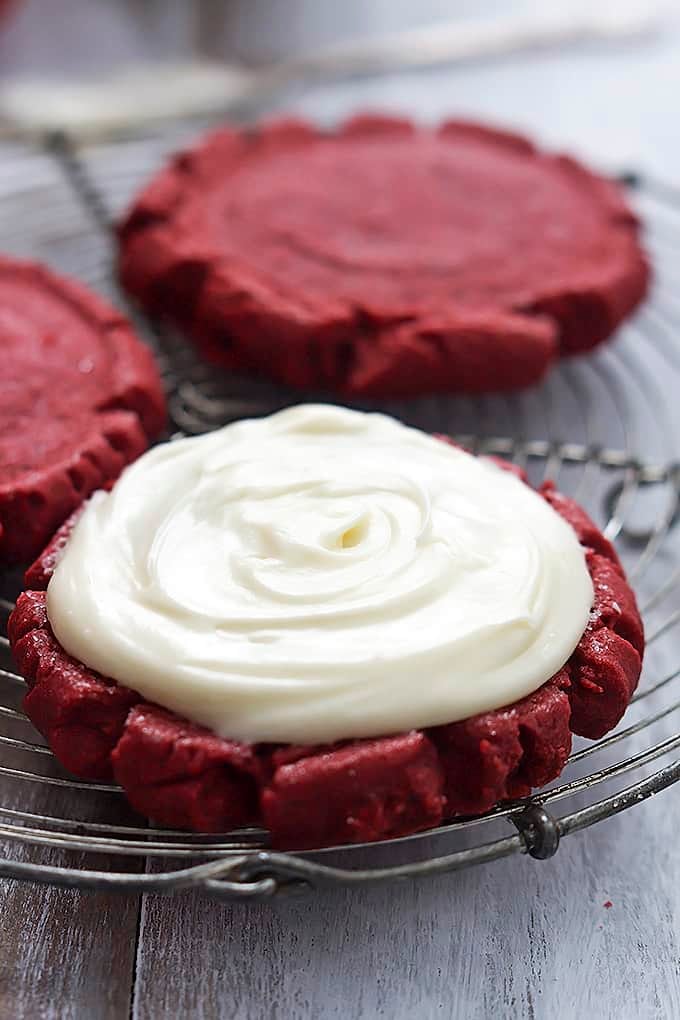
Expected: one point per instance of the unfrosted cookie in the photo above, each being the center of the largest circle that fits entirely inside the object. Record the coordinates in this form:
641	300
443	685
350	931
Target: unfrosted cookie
384	259
80	397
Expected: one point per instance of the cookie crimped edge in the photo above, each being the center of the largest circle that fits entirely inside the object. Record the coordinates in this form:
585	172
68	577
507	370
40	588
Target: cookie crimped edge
461	768
112	434
344	347
31	508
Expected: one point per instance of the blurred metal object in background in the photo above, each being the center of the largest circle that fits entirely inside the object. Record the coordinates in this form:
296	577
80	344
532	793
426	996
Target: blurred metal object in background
134	96
426	43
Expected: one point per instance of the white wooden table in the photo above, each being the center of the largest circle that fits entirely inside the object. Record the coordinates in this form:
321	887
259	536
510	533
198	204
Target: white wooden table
593	932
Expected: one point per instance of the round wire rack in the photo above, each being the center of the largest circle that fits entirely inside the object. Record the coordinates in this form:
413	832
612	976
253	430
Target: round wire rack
606	428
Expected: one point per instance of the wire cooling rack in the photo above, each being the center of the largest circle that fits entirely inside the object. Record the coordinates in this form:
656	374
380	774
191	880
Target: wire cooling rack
606	428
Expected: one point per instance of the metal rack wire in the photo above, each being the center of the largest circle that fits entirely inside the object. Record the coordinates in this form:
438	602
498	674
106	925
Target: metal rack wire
603	427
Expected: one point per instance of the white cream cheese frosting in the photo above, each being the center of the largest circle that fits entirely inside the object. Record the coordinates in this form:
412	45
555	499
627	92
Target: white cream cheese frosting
320	574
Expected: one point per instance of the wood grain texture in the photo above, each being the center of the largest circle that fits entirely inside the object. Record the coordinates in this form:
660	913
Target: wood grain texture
516	939
65	955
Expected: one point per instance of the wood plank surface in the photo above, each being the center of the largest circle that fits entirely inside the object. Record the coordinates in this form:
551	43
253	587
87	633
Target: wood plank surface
65	955
519	938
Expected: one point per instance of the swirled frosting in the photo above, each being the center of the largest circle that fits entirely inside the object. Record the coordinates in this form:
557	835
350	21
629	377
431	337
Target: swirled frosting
320	574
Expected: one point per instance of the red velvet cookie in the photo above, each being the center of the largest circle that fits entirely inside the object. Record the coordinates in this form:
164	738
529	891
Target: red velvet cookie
80	397
181	774
384	259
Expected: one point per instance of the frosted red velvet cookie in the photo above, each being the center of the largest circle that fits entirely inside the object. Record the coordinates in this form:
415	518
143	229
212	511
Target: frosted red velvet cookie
328	624
80	397
384	259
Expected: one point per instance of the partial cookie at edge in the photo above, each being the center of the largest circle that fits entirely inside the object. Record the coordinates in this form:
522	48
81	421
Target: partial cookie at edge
80	397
